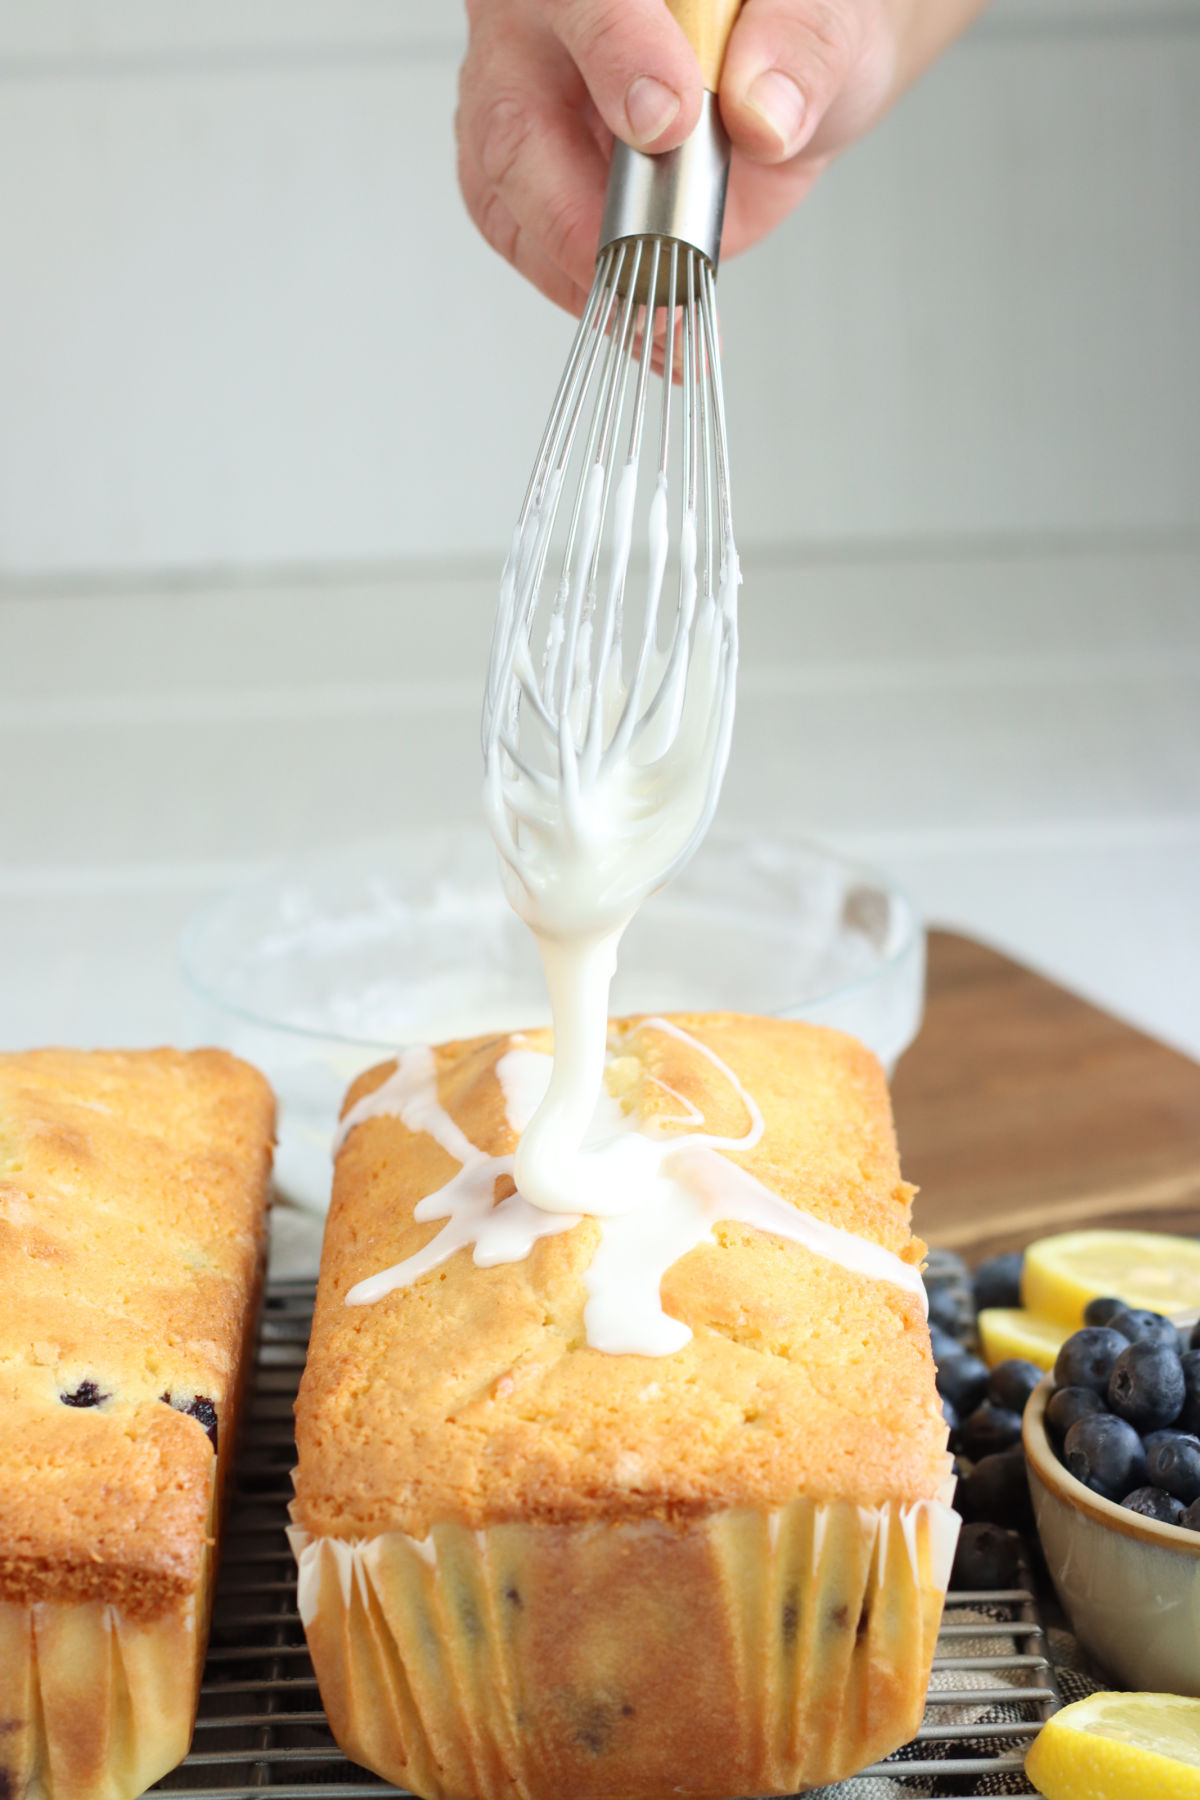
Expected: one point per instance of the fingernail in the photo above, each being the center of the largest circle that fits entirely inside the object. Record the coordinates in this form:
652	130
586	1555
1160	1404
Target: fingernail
649	106
777	100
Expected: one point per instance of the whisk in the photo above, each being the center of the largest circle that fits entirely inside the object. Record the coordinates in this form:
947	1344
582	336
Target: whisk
607	714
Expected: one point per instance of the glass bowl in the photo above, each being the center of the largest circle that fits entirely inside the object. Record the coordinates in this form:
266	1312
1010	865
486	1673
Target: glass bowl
337	959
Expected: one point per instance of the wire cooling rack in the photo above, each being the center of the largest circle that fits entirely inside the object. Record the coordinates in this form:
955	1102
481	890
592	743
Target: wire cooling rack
261	1730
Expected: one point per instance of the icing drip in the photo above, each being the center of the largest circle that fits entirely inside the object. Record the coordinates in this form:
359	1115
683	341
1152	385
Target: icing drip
673	1191
500	1231
620	778
612	797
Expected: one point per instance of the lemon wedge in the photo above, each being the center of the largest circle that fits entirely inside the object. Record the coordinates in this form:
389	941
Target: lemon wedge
1119	1747
1143	1268
1011	1331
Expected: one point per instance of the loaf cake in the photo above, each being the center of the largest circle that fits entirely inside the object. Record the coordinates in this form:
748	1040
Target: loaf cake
531	1567
133	1191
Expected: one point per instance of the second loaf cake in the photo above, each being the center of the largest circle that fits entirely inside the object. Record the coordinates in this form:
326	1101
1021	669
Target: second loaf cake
133	1188
529	1566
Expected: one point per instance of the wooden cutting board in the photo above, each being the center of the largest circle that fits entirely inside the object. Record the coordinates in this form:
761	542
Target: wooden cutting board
1021	1109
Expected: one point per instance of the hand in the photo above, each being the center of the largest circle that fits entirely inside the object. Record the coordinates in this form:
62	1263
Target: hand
547	84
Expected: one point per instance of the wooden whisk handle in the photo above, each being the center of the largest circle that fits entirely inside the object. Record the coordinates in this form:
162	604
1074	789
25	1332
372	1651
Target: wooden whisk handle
706	25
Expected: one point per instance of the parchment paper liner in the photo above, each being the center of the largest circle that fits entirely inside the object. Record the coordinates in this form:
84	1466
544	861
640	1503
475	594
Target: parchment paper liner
94	1706
741	1653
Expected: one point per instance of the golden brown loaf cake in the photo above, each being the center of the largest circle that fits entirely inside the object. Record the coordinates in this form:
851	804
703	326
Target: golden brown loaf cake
472	1397
468	1463
133	1188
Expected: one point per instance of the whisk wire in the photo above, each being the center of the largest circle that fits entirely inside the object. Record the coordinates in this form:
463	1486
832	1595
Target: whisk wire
591	499
589	336
716	390
578	683
599	649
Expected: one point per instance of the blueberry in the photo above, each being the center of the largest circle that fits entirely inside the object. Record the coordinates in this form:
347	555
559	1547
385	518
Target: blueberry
950	1307
998	1280
1087	1358
1174	1464
1011	1383
963	1380
1191	1516
204	1410
1101	1310
943	1307
86	1394
1189	1415
997	1489
1152	1503
1147	1386
949	1413
946	1265
986	1557
1142	1327
1150	1438
1106	1454
942	1344
1067	1404
1194	1337
988	1429
201	1409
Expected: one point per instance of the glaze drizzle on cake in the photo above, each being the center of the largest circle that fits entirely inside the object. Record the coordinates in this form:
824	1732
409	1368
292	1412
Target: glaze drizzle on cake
675	1188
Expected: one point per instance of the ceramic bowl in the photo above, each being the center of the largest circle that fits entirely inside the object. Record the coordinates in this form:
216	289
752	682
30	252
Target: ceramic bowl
1130	1586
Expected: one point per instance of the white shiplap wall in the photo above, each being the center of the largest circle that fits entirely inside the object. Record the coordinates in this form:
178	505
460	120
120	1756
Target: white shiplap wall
247	321
246	329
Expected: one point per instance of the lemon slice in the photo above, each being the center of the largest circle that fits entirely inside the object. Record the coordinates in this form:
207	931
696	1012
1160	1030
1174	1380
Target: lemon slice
1011	1331
1119	1747
1143	1268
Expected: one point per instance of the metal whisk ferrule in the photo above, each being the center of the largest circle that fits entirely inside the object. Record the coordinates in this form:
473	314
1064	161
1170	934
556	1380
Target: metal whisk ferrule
679	195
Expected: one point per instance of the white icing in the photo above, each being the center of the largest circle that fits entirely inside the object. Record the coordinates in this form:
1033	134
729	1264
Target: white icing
524	1076
672	1195
602	773
616	778
500	1232
601	783
410	1094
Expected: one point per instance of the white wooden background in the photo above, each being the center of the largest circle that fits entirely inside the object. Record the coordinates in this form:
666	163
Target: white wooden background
267	407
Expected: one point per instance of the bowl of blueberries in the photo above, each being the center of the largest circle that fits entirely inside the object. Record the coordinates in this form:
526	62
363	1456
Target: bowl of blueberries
1101	1456
1112	1442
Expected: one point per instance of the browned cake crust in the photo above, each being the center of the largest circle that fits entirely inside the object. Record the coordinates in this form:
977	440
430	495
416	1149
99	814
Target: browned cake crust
132	1201
472	1398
